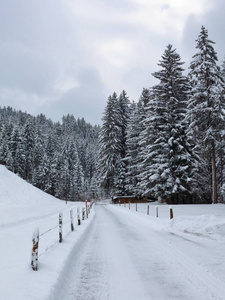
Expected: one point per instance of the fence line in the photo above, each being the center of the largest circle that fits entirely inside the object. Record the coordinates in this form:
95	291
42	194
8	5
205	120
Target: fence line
49	230
37	236
148	208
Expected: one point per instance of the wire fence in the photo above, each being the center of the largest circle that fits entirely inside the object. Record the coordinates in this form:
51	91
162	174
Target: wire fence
151	210
48	237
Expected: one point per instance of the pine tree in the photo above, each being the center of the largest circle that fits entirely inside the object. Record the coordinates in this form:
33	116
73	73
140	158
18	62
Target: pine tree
14	147
28	140
205	107
112	145
109	145
122	117
165	167
134	130
33	148
132	150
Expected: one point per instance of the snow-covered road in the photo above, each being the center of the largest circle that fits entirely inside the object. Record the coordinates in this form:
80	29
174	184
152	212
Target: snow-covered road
117	253
123	257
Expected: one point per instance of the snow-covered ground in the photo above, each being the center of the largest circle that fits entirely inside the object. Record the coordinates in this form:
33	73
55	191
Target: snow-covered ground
117	253
23	208
195	219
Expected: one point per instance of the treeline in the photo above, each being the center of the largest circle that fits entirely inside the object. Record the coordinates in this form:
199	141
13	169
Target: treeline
169	145
59	158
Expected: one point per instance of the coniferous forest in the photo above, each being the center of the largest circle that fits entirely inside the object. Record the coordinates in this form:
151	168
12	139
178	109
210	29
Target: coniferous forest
59	158
169	145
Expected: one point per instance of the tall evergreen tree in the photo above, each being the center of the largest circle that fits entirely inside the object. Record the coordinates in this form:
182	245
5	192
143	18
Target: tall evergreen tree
205	107
165	163
109	145
29	142
33	147
122	117
134	130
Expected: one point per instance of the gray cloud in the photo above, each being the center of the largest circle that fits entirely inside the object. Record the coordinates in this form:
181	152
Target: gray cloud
60	57
86	100
22	68
214	21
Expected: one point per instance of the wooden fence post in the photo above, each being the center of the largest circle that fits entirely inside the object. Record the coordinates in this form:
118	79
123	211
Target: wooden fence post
171	213
78	215
136	206
60	227
148	209
34	253
157	211
86	209
71	220
83	213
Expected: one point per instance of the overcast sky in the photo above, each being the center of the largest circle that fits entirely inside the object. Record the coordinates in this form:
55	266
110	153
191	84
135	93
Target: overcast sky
67	56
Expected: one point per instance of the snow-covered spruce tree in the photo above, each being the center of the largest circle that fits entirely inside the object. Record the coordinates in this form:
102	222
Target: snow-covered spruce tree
109	146
220	164
123	118
132	150
28	140
206	104
134	130
33	147
166	163
15	139
6	133
112	145
123	115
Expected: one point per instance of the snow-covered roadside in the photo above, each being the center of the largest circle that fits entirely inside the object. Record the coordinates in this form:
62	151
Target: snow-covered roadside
199	236
201	219
53	263
189	250
23	208
127	255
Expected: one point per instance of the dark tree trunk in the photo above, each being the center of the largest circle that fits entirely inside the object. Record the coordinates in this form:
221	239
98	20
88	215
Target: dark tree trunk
214	183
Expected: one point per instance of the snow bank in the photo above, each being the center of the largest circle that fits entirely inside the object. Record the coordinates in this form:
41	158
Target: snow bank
23	209
14	191
196	219
204	224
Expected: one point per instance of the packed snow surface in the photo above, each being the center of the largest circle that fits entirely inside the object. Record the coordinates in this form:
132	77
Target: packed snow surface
117	253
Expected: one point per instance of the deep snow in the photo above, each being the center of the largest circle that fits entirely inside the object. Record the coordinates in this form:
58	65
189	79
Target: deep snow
23	208
117	253
129	255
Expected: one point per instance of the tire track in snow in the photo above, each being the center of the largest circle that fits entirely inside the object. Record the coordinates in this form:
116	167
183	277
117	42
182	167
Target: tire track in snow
102	269
124	258
186	275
